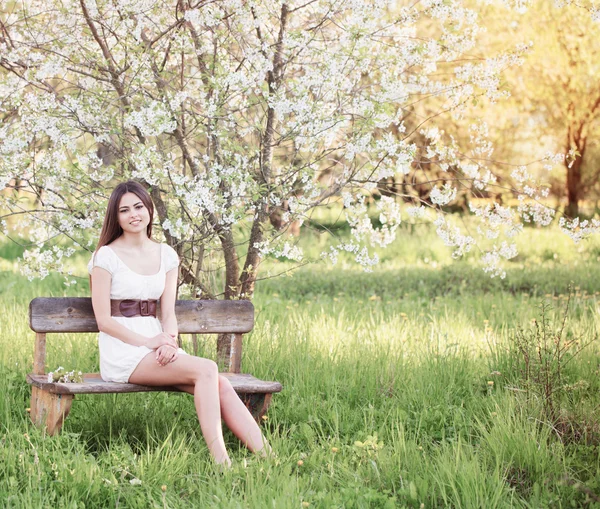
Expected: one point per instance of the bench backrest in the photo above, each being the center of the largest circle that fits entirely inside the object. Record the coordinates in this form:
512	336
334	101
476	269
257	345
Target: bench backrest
75	314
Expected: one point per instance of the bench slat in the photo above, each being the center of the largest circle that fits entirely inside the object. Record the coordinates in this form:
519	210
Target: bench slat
75	314
93	384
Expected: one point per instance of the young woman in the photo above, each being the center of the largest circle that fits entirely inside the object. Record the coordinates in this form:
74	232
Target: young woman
129	273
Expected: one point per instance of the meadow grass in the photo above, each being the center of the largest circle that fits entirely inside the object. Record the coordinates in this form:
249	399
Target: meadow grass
402	388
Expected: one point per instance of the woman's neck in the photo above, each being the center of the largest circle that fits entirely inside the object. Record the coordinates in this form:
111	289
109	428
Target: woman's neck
134	240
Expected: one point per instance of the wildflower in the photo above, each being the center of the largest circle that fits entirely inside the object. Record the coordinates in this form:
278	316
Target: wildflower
305	504
264	417
163	488
135	482
59	375
300	463
490	383
334	449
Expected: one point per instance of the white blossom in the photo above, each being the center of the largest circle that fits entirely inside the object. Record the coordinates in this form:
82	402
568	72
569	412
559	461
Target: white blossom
492	259
444	195
579	230
151	120
417	212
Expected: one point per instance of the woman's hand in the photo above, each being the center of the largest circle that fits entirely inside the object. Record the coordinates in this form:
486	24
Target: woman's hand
166	354
161	339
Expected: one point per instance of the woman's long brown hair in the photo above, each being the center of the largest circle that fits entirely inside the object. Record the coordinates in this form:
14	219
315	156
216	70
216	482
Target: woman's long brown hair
111	229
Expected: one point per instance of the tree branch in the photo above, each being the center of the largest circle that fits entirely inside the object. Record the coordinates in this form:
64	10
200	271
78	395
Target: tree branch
248	277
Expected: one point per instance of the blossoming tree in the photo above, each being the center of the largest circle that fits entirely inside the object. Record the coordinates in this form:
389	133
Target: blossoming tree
231	109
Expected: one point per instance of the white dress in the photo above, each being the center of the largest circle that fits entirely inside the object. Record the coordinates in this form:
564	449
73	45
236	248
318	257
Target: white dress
117	358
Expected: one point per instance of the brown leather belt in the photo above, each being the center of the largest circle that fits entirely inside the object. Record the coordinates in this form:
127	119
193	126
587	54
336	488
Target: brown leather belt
133	307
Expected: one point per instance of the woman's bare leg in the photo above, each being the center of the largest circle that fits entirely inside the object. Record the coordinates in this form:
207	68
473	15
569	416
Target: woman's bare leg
202	374
185	388
237	417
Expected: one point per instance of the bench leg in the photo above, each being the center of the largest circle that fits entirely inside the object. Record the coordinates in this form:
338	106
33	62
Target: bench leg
49	410
257	404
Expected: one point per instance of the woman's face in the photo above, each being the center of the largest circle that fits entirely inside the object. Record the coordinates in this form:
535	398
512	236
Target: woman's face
133	215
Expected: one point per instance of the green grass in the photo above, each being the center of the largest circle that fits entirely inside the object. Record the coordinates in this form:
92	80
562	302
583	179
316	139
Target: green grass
386	400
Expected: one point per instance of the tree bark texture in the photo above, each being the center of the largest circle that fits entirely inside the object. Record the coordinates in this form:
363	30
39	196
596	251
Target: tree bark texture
577	141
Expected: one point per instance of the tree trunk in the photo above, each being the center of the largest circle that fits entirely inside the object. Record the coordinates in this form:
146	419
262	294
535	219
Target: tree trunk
573	187
574	168
274	77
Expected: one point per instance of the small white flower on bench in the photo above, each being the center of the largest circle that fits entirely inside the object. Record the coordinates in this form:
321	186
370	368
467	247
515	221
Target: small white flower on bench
59	375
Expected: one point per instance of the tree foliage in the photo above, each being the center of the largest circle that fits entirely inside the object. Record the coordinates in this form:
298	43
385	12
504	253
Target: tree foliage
559	89
230	109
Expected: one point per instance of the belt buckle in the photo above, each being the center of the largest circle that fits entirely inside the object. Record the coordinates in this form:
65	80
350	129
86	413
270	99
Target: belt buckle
144	308
126	309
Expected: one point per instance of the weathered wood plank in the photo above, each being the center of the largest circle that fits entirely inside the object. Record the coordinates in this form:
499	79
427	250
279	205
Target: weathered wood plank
93	384
257	404
39	354
50	410
229	352
36	406
75	314
235	354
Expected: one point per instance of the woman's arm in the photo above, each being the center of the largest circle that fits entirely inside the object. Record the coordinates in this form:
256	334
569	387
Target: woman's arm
167	304
101	280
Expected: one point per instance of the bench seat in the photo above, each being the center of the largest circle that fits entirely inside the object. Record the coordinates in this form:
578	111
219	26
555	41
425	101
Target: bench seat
93	384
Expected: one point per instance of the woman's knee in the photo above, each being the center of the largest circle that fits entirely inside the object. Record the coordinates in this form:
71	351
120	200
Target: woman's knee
206	369
225	386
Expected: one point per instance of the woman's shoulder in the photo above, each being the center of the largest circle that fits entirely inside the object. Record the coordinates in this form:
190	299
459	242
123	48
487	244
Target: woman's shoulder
103	257
106	250
170	256
166	248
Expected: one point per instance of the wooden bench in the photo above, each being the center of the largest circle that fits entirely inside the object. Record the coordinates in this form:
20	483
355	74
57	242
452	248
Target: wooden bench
51	402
